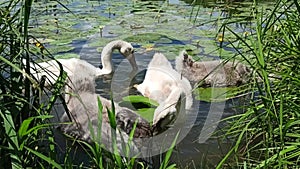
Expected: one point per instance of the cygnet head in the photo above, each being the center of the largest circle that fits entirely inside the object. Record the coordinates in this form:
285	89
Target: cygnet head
183	61
167	113
187	60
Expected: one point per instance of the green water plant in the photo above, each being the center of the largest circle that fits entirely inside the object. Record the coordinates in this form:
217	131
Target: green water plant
143	105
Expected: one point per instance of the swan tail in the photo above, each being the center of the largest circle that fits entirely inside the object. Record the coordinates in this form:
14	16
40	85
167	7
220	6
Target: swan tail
160	60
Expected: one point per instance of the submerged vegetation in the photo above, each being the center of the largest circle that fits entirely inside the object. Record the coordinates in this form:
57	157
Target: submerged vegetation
265	135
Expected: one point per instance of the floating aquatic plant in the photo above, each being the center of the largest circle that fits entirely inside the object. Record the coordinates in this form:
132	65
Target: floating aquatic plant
144	106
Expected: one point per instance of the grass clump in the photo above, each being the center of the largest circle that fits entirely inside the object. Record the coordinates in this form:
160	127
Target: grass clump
26	132
267	133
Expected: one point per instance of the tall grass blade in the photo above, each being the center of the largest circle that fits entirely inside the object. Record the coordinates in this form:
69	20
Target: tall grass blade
18	69
43	157
100	110
112	120
11	133
165	162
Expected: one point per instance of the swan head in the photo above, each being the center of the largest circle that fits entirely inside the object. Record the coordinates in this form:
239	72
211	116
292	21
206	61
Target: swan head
166	114
128	52
125	48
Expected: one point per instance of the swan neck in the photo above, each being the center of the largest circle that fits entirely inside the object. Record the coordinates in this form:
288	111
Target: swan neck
178	64
106	56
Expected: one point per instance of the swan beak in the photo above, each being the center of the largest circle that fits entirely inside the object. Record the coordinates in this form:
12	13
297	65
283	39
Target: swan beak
135	86
132	61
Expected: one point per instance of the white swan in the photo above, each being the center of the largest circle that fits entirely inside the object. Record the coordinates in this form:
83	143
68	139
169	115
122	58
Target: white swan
213	73
164	85
51	69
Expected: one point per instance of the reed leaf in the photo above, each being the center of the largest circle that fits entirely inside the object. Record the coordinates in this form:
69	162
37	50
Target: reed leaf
166	159
43	157
271	119
13	140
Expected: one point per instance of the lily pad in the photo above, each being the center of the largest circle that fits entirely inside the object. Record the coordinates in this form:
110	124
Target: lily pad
61	42
60	49
140	99
145	38
216	94
147	113
67	56
149	105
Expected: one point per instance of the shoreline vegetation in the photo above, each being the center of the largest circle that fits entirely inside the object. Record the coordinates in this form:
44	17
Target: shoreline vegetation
265	135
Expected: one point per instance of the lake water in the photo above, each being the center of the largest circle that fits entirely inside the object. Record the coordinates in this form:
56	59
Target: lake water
151	26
